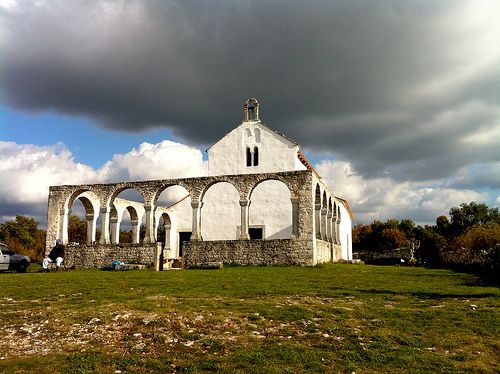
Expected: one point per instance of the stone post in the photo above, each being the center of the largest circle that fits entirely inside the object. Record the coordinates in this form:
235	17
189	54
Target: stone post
135	231
150	235
63	225
115	231
317	220
167	236
244	204
323	223
337	229
196	225
104	239
329	225
295	217
90	229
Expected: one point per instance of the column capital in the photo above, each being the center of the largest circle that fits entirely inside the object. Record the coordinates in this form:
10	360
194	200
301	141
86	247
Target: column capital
244	202
113	219
89	217
148	208
134	222
105	210
295	199
196	204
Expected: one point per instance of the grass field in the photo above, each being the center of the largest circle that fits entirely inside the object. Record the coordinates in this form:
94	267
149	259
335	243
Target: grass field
330	318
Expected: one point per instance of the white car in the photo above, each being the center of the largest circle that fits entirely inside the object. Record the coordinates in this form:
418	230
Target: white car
10	260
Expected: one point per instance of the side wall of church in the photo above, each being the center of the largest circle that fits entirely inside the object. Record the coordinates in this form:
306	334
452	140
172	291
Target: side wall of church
345	233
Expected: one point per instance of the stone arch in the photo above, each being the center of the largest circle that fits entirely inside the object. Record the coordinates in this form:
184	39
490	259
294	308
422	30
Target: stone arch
175	201
220	211
135	209
163	230
90	202
251	110
270	210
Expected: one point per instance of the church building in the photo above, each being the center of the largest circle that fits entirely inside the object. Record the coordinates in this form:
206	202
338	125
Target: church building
261	203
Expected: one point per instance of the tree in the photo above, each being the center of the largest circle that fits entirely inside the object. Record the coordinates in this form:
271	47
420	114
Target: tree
23	236
469	215
391	238
77	230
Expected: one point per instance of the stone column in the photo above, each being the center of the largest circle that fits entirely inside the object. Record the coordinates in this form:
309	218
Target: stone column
150	235
167	236
317	219
63	225
337	229
104	239
295	217
244	204
329	225
196	225
135	230
323	223
90	229
115	231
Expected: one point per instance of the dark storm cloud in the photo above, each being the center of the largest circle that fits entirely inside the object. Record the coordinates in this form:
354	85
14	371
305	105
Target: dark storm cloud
393	87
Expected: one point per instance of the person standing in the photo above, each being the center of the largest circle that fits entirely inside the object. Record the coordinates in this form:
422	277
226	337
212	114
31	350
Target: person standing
56	255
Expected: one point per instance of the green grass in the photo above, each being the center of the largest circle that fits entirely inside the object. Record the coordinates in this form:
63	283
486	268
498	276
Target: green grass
330	318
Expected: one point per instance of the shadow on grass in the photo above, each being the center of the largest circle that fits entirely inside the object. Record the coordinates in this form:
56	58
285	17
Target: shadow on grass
420	294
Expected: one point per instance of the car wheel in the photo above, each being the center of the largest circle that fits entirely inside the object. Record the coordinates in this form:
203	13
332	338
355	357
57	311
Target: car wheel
22	267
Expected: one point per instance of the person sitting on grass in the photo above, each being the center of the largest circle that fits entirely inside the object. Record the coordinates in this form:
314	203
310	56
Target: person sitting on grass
56	255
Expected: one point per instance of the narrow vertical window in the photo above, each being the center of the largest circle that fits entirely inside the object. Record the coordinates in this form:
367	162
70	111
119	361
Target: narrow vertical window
249	157
255	156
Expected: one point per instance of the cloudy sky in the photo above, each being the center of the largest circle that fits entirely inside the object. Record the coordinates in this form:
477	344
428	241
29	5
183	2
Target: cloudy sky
396	103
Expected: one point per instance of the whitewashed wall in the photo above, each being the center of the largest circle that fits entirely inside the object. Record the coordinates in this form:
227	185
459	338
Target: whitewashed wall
345	233
276	153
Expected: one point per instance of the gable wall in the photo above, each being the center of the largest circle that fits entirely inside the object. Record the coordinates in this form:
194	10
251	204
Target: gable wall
276	154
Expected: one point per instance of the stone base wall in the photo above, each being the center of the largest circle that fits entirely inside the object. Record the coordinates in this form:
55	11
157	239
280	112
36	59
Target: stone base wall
99	256
327	252
248	252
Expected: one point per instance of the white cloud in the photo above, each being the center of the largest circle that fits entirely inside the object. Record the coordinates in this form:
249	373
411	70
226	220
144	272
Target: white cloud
164	160
28	170
384	198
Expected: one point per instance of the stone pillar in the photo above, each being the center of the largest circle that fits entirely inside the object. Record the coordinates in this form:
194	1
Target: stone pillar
295	217
329	225
90	229
323	223
167	236
135	230
104	239
63	225
196	225
244	204
317	219
115	230
337	229
150	235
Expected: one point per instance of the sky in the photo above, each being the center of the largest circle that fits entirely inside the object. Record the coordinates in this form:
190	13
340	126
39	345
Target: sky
395	103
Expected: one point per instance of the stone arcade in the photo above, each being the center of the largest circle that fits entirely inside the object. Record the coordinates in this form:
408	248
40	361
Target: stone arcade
262	203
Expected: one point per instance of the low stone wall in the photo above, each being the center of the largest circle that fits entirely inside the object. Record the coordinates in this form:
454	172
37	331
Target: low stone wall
248	252
101	255
323	251
327	252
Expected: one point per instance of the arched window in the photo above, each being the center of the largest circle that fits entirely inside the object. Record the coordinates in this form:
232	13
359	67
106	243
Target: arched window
257	135
249	157
255	156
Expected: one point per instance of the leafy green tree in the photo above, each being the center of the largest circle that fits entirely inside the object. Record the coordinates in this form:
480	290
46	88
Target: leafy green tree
469	215
77	230
23	236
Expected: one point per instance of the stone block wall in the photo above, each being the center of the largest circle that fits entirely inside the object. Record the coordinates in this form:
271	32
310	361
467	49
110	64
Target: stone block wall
249	252
98	256
327	252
